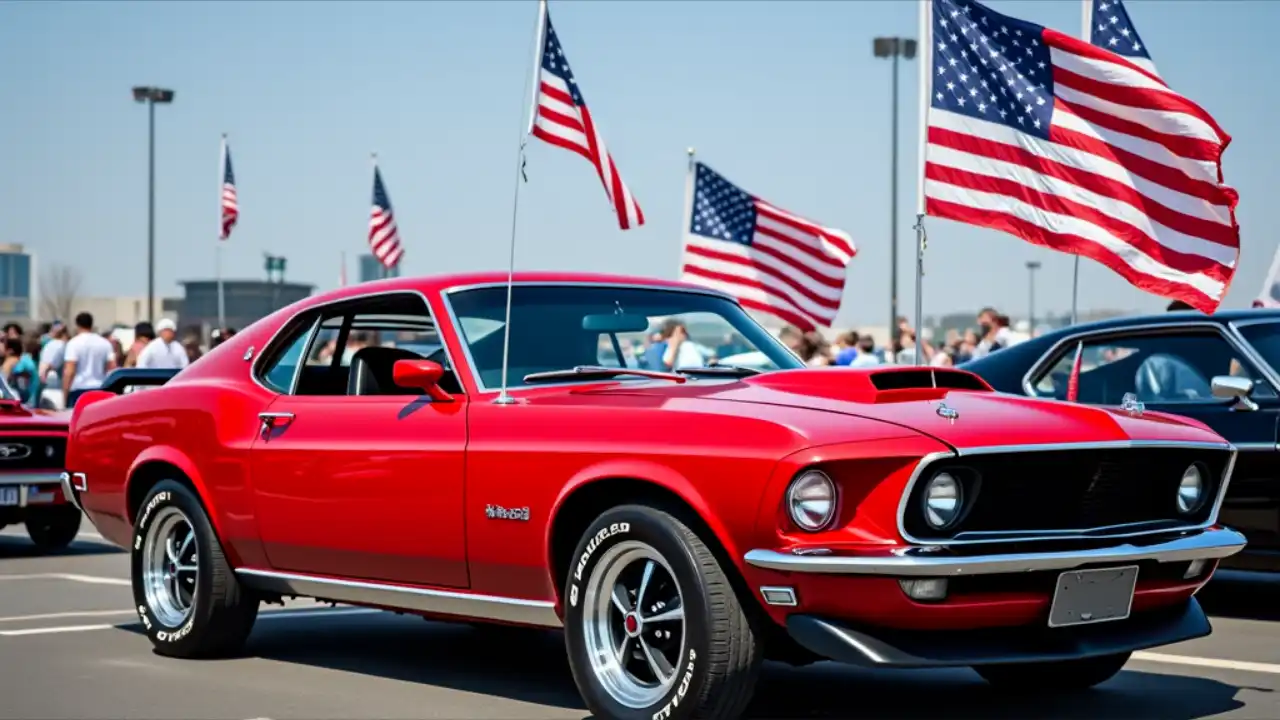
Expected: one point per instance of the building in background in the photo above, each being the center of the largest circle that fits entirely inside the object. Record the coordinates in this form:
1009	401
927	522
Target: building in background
115	312
372	269
246	302
19	296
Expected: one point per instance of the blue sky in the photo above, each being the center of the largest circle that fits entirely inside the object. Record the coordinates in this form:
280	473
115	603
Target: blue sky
784	98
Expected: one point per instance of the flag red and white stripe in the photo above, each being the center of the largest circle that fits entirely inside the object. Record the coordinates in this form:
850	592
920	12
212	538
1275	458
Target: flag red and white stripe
771	260
384	236
560	117
230	204
1075	148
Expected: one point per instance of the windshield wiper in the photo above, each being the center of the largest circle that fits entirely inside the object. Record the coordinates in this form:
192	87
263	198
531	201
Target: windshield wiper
723	370
597	372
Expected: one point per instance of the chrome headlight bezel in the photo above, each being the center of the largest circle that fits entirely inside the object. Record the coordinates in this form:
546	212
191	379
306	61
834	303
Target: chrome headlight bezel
1195	476
936	513
805	498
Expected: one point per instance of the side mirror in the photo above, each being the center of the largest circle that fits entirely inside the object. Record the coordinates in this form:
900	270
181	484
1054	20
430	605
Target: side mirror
1231	386
422	374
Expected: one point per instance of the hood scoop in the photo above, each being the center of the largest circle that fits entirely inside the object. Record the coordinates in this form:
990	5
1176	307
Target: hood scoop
874	385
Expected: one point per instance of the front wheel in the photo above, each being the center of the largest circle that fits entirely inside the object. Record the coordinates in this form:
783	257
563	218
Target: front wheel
653	627
53	528
1054	677
185	591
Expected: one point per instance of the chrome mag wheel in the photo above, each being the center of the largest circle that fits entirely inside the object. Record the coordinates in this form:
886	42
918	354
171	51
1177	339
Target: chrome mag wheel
633	624
170	570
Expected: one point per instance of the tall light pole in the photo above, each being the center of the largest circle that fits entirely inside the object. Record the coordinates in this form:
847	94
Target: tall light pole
151	96
894	47
1032	267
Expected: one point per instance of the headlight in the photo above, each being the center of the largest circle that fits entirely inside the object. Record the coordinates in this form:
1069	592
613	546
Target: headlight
943	498
811	500
1191	490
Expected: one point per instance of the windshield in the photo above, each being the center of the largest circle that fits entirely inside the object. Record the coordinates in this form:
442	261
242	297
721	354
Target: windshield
1265	338
561	327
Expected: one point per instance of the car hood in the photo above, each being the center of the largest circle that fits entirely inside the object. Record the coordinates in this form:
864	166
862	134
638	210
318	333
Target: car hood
964	414
13	414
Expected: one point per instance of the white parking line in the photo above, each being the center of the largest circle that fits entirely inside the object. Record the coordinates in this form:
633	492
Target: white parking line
92	579
61	615
1190	660
301	613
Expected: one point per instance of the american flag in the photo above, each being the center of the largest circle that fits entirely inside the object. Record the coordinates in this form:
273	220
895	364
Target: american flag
230	206
772	261
560	117
1072	147
1110	27
384	238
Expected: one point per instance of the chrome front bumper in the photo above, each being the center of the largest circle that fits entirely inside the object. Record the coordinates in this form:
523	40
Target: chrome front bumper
24	481
935	561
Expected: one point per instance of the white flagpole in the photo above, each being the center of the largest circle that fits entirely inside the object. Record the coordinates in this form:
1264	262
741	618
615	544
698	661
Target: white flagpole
926	87
217	261
525	130
689	179
1086	22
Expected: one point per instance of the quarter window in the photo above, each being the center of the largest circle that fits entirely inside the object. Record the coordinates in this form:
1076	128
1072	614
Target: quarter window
1156	368
283	366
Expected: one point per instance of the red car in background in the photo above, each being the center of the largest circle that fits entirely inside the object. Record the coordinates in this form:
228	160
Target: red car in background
32	451
680	526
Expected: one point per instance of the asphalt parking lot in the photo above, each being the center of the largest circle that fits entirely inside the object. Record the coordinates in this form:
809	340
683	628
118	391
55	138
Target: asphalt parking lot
69	648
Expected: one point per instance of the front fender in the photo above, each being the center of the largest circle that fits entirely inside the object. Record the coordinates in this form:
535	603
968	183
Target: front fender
657	474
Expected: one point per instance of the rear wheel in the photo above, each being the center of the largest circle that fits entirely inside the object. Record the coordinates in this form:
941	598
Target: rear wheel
186	593
653	627
53	528
1054	677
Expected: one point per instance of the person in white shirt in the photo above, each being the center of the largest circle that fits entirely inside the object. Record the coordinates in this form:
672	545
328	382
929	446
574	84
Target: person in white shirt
86	360
52	354
165	351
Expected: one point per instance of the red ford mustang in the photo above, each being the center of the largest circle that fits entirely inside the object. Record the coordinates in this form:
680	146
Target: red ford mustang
32	452
682	520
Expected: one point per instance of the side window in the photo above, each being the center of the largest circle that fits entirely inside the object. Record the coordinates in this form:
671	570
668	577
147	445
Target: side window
283	366
1156	368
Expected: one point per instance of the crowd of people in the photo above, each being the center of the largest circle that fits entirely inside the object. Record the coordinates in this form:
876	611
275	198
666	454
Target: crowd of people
75	359
992	333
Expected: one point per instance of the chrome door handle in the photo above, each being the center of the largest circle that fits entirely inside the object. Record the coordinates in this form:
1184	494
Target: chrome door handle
272	419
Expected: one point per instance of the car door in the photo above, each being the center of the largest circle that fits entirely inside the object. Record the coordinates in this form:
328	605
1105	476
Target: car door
1171	370
363	483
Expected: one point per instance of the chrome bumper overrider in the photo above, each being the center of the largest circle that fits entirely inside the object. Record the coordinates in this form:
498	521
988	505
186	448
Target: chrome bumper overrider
936	562
69	489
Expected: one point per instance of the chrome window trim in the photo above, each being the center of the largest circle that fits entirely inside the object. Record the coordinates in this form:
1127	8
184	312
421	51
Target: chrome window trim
919	562
315	328
541	613
1234	330
1080	534
1046	360
1257	446
445	296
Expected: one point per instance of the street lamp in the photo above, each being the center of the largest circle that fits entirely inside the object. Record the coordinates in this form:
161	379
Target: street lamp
151	96
894	47
1032	267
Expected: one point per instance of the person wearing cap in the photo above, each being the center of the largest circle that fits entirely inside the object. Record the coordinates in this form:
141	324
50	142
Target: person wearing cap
165	351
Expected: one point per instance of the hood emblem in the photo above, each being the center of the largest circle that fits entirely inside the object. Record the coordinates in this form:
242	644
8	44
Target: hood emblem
1129	403
14	451
948	413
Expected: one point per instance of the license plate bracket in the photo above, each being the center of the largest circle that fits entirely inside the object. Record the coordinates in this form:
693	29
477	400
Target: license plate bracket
1085	597
9	495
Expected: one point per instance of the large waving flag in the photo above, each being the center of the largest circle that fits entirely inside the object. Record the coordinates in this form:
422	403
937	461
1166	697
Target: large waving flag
384	236
560	117
771	260
1072	147
230	204
1110	27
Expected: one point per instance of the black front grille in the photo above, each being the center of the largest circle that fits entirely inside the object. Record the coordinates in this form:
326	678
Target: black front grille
32	453
1063	490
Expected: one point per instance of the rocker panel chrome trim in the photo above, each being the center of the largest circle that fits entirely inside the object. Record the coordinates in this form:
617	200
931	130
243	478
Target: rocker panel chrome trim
1081	533
918	562
541	613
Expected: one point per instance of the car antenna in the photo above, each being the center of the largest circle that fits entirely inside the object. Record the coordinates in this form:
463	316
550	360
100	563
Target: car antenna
526	128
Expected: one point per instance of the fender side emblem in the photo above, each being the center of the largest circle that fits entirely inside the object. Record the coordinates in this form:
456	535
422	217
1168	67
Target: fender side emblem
497	512
948	413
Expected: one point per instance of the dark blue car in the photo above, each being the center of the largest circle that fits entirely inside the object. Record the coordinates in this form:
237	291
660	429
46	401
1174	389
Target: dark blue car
1221	369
